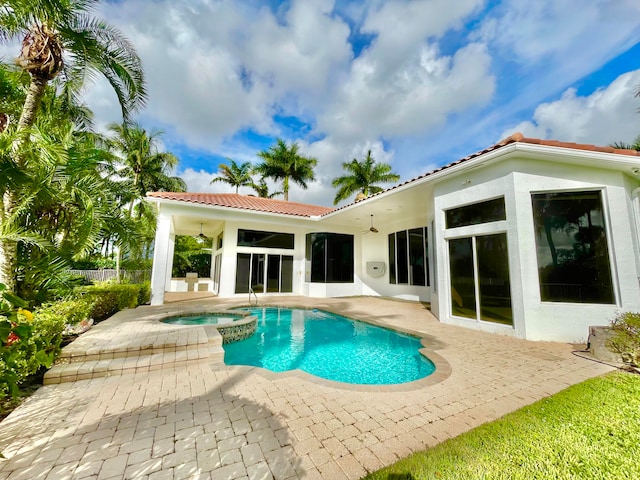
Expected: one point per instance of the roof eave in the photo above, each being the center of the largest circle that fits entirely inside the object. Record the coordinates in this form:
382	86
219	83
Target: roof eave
182	203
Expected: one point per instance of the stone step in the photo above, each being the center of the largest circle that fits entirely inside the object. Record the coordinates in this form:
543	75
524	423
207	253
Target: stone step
85	370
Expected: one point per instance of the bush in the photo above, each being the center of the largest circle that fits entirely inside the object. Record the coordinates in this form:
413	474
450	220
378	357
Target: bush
73	310
626	338
109	298
144	296
28	341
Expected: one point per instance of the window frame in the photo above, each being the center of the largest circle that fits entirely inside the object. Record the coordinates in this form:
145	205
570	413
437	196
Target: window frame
606	218
326	254
394	263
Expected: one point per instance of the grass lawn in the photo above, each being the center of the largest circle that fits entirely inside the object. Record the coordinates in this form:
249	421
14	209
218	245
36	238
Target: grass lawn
588	431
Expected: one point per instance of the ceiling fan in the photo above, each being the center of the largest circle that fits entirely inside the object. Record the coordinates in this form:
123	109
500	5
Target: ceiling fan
201	237
371	228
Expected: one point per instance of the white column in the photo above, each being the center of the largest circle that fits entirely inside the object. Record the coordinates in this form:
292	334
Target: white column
170	250
161	259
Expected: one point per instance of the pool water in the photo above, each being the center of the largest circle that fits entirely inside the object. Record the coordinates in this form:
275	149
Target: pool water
329	346
202	320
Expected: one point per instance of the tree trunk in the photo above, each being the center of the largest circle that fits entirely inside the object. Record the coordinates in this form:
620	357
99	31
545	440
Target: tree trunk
9	248
285	188
32	103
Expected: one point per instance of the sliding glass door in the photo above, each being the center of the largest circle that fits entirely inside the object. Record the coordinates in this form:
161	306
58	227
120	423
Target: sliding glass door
479	269
264	273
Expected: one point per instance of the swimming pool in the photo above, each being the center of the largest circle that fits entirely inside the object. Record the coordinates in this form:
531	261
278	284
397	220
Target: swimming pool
329	346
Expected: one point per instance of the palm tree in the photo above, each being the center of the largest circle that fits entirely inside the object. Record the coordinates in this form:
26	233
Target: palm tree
144	165
363	178
234	174
62	36
58	37
628	146
262	189
283	162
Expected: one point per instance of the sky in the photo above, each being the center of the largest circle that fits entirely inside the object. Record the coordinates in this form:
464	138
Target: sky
421	83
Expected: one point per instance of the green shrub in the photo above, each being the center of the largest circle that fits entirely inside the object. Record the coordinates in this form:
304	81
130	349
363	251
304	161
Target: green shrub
626	338
73	310
144	296
109	298
28	341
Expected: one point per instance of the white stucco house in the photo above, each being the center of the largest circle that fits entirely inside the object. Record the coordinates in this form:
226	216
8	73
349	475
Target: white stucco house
533	238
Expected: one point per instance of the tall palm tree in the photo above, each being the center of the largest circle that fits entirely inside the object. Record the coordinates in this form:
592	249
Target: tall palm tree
284	162
61	36
49	30
145	167
363	177
143	164
234	174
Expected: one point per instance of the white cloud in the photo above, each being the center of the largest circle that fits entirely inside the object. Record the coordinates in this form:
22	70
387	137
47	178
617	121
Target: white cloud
607	115
420	94
401	25
215	68
556	42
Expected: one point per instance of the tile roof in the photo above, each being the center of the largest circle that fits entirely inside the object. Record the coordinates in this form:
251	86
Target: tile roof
245	202
258	204
514	138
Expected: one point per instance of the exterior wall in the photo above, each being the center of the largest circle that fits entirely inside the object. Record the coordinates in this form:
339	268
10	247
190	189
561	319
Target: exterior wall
375	248
231	249
367	248
570	321
516	180
474	187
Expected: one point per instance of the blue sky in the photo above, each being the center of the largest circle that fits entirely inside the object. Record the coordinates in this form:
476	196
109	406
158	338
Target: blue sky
419	82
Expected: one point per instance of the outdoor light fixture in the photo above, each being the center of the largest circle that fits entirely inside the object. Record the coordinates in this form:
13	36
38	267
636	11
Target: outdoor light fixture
201	237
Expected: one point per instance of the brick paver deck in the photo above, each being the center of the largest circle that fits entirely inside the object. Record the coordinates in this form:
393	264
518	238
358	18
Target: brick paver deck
203	420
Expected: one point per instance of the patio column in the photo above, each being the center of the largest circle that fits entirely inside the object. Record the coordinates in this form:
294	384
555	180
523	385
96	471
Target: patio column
161	260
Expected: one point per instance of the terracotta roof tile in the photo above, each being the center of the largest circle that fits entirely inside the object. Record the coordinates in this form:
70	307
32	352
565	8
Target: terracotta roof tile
245	202
514	138
258	204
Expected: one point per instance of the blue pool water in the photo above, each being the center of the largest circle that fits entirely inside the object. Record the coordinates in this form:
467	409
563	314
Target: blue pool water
329	346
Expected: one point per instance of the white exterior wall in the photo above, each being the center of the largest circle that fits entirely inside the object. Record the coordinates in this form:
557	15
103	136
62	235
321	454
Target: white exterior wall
375	248
370	247
477	186
558	321
516	181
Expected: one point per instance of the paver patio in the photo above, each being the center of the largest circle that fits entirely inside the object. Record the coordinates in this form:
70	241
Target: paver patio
199	419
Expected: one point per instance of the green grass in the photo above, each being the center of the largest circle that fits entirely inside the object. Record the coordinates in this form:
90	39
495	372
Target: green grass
588	431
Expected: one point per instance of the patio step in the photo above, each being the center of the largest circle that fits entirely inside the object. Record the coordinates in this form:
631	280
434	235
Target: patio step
117	347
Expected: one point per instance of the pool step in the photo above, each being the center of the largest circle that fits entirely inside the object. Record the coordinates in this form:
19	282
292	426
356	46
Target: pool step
139	347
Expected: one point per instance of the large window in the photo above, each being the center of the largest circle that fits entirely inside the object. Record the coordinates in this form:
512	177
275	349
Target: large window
479	269
264	273
256	238
571	247
330	258
408	258
474	214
